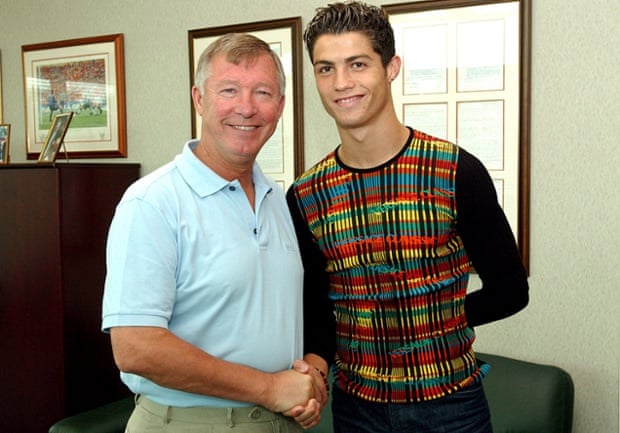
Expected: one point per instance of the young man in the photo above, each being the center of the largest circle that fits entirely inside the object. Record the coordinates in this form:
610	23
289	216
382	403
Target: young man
390	224
204	279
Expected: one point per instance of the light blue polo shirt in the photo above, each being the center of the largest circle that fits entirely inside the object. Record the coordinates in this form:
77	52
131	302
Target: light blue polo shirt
186	252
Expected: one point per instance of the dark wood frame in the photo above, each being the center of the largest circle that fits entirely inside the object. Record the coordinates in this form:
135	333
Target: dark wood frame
292	25
525	41
111	45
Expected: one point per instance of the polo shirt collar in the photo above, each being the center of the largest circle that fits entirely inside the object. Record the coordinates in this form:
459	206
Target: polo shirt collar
205	181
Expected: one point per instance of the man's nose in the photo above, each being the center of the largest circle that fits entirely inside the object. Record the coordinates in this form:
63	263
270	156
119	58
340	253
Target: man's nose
246	105
343	79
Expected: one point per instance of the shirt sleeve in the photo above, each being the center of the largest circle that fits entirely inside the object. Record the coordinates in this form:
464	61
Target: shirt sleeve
140	285
490	244
319	318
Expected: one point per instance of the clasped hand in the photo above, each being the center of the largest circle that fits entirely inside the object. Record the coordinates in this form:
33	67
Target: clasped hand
302	394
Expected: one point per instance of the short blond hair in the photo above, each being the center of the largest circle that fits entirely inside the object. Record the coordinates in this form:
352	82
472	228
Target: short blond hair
237	47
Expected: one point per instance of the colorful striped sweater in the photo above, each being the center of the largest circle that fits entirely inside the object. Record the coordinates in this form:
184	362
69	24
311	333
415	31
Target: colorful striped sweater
397	271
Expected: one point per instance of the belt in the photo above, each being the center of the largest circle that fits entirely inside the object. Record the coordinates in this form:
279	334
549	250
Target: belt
209	415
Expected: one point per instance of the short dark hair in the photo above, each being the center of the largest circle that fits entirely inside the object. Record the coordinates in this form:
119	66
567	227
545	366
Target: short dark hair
353	16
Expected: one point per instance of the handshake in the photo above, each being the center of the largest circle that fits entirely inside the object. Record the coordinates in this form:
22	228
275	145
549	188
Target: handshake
300	393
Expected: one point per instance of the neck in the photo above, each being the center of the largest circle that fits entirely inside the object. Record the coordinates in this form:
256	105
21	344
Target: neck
371	146
241	172
225	166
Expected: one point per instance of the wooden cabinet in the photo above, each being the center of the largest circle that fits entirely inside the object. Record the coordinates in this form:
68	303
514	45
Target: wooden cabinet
54	360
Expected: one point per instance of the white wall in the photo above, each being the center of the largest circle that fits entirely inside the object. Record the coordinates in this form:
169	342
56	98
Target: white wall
572	320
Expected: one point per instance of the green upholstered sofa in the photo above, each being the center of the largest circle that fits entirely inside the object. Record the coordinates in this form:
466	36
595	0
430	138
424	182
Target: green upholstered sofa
524	397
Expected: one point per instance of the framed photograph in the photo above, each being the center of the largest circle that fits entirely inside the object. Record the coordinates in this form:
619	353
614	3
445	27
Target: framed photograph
55	137
5	141
466	78
281	158
83	76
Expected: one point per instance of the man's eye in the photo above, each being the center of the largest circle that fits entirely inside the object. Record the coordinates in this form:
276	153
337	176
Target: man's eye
358	65
228	92
324	69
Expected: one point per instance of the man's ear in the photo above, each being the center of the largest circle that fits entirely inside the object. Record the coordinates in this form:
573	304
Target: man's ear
197	99
281	105
393	68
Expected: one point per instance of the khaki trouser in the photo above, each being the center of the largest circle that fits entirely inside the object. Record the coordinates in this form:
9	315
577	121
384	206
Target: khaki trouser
151	417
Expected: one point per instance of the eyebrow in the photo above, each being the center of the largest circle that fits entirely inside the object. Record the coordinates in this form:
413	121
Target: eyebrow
347	60
228	82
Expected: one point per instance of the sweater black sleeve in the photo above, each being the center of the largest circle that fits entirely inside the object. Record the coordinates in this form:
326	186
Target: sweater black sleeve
319	318
490	244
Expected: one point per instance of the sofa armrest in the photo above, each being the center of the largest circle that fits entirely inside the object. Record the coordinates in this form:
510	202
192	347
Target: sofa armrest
110	418
525	397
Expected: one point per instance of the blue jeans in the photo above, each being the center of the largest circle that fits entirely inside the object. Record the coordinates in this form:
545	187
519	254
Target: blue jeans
465	411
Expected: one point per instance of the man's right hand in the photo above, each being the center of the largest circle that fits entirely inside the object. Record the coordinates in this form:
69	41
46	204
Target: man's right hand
289	389
309	415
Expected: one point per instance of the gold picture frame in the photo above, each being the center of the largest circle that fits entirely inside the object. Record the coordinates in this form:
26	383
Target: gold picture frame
5	142
55	137
282	157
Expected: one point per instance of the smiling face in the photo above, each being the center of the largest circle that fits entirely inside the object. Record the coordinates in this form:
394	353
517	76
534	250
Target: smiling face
353	84
240	107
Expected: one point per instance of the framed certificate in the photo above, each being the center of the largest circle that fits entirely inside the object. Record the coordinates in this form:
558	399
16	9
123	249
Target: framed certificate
466	78
282	156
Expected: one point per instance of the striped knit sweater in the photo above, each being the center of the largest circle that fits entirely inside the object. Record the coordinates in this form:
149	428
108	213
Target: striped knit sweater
397	270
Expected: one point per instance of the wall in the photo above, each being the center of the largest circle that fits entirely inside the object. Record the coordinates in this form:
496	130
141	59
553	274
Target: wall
572	320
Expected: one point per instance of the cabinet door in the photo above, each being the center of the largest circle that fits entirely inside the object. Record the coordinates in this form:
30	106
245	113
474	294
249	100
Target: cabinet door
31	360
